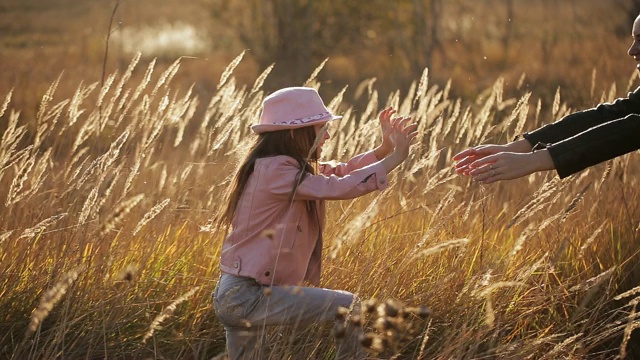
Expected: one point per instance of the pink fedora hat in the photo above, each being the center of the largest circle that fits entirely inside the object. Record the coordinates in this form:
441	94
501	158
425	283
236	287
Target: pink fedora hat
292	108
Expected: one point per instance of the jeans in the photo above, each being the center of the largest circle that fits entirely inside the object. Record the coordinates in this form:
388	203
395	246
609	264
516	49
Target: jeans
245	308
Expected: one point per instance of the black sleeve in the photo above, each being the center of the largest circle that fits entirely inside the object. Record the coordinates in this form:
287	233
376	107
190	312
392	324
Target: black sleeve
581	121
597	144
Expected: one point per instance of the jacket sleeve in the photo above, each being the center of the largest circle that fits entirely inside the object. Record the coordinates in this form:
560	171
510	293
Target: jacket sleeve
282	175
597	144
342	169
581	121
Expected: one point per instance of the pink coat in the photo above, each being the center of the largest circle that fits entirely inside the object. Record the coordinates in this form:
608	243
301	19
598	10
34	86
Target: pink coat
280	243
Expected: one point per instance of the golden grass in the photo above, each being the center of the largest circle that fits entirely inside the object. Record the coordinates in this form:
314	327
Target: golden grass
107	211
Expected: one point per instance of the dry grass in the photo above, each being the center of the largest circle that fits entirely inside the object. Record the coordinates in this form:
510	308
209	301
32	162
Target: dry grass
107	247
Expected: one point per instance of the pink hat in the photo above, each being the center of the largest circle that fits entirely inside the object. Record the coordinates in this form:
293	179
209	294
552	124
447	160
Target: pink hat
292	108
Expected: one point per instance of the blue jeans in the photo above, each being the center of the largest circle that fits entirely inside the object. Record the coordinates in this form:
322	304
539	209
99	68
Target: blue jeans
245	308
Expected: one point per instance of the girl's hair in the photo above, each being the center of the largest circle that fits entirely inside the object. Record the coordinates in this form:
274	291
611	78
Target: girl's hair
296	143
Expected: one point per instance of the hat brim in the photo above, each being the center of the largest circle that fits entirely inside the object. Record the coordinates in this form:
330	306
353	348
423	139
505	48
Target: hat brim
263	128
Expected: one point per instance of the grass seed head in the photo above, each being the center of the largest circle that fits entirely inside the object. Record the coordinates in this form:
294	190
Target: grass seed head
370	305
373	342
366	340
356	320
390	308
341	313
129	273
339	330
420	311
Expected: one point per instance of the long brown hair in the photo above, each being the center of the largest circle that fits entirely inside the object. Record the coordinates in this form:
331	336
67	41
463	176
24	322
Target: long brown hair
296	143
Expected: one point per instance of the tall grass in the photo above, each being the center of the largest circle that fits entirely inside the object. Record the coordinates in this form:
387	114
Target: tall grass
108	250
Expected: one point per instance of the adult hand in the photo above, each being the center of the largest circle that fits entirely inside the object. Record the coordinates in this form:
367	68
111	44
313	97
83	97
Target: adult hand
466	157
509	165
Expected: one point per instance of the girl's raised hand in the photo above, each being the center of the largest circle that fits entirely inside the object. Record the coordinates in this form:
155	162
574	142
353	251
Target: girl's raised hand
387	128
402	134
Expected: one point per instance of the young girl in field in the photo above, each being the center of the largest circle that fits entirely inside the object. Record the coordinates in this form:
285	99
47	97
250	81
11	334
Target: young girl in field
276	213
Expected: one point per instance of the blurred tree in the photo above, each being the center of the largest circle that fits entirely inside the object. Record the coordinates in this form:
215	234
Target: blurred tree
425	38
297	35
508	31
279	31
632	9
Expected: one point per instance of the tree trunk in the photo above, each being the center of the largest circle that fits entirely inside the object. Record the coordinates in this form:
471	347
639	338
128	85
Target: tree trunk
293	51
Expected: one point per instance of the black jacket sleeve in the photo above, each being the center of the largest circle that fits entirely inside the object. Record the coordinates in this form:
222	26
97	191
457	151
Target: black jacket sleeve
598	144
580	121
586	138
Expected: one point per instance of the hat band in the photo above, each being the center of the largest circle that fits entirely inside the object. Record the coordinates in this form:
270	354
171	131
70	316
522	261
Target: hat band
304	120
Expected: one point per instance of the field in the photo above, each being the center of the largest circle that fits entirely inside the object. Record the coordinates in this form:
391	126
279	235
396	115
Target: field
109	250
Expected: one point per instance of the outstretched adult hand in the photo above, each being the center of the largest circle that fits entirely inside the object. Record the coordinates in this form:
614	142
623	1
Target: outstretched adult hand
509	165
466	157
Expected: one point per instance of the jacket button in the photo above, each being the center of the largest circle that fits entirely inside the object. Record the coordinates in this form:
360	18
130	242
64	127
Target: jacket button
235	264
267	273
299	228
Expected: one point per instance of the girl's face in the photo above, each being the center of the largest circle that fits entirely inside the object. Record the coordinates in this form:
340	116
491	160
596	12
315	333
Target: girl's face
322	135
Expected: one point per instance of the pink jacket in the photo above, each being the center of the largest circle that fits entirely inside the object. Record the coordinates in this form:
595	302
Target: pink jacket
280	243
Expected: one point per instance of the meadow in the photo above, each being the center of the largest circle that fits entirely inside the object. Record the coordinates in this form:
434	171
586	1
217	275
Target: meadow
109	250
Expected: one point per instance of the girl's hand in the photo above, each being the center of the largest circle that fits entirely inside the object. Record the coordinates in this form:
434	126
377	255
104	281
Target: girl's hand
402	134
387	128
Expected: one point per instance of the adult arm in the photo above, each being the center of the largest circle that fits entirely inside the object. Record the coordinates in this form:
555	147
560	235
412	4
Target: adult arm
581	121
563	129
597	144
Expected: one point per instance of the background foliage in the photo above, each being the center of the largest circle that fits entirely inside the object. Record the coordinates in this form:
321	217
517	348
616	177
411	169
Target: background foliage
108	186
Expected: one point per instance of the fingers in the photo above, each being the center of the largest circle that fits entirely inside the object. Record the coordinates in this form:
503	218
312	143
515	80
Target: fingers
385	115
476	166
400	123
464	154
462	166
489	176
483	161
480	151
476	157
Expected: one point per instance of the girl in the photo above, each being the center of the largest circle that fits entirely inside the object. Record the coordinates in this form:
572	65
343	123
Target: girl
276	212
